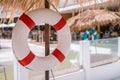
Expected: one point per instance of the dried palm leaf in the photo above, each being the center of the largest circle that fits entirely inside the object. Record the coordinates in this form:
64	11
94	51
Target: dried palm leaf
6	7
13	11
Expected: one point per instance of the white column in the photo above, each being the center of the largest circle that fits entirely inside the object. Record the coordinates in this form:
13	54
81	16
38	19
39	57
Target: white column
81	53
118	46
85	58
15	64
20	72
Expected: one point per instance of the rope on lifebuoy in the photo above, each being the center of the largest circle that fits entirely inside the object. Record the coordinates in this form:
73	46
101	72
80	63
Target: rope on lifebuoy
91	32
20	34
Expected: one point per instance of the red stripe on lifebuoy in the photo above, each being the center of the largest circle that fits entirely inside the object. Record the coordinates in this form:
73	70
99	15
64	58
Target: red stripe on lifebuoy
60	24
59	55
27	20
27	60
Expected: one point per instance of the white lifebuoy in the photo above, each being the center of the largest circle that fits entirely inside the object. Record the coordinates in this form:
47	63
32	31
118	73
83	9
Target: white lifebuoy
91	32
20	35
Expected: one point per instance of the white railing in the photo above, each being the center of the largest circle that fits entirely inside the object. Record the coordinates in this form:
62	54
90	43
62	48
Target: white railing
83	62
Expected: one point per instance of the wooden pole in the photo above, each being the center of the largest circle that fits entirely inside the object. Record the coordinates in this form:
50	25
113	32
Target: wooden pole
98	28
47	40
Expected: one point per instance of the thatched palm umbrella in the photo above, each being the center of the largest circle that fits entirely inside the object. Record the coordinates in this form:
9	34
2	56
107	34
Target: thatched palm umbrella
20	6
92	18
105	17
80	21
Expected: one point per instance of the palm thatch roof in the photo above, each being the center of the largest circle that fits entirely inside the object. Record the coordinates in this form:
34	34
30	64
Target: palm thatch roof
20	6
91	19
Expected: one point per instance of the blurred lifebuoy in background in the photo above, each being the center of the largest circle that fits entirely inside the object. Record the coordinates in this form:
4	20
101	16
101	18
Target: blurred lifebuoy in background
20	35
90	33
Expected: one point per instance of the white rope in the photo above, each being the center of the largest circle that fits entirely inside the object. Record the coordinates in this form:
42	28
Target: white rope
53	6
52	75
